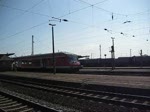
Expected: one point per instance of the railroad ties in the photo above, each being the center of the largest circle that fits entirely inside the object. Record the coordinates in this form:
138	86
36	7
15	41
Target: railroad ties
127	100
11	103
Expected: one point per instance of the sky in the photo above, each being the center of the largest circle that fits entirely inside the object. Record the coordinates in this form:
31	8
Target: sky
128	21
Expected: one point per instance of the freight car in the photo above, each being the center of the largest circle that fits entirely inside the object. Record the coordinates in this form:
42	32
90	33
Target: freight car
135	61
63	62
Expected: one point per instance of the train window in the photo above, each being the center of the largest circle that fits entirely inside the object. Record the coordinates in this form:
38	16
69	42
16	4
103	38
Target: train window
24	62
30	62
73	58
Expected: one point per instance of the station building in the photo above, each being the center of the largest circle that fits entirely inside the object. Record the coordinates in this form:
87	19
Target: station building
6	61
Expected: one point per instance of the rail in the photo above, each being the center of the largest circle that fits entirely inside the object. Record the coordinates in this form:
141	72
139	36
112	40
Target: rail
128	100
10	103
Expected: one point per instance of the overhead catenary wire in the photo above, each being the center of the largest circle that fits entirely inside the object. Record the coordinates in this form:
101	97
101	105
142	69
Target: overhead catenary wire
45	23
94	5
40	41
23	11
10	36
127	35
40	25
81	9
110	12
63	43
49	16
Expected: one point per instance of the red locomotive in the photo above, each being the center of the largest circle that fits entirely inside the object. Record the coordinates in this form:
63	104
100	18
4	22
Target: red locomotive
63	61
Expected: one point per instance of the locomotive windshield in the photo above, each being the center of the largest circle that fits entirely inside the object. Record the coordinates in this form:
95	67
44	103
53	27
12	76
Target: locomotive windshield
73	58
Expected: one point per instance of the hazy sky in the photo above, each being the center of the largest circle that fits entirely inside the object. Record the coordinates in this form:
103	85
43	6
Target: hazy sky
84	31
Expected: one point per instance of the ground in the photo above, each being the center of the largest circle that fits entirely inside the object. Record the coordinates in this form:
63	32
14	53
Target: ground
112	80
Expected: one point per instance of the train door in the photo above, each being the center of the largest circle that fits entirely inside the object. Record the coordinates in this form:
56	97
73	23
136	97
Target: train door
44	63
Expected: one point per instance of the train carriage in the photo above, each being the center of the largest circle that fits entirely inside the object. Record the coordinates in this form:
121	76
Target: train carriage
63	61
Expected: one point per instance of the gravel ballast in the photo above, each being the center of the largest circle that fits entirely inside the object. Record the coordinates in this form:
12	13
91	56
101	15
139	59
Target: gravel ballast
65	103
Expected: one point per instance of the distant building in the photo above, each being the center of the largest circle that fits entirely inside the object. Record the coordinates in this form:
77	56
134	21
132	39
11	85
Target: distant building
5	61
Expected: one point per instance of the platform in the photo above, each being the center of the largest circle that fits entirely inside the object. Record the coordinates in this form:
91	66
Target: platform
109	80
144	71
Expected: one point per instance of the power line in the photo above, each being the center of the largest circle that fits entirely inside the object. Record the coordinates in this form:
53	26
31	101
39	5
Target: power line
40	41
2	5
110	12
86	36
24	11
47	22
48	16
94	5
81	8
124	34
74	11
71	43
44	14
23	31
68	14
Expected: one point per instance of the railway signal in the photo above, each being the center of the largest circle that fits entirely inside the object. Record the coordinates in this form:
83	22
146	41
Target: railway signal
113	53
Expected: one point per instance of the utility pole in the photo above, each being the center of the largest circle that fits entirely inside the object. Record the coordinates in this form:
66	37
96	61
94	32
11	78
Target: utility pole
53	46
130	52
113	48
141	54
113	53
32	45
100	51
105	60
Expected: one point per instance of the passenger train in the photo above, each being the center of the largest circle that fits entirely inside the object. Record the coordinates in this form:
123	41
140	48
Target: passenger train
63	61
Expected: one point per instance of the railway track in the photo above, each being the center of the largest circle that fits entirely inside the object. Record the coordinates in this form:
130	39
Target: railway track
127	100
12	103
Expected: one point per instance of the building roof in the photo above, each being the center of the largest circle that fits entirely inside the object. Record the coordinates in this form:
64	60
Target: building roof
45	55
4	57
8	54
